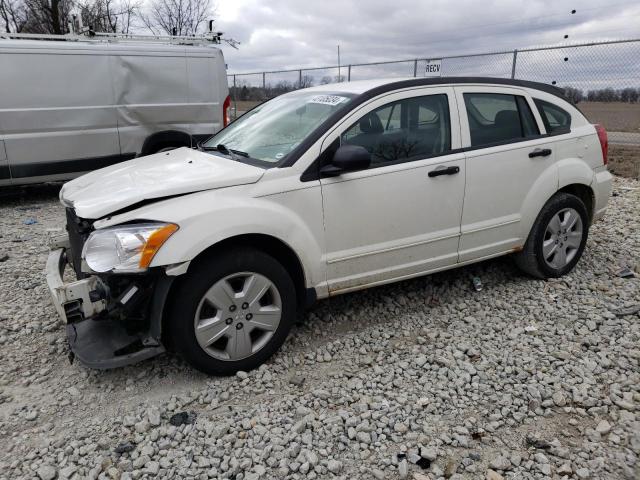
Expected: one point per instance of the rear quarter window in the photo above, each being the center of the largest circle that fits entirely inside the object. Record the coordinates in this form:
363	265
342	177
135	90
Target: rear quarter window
555	119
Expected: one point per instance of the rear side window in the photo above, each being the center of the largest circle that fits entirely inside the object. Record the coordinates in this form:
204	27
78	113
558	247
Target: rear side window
496	118
404	130
555	119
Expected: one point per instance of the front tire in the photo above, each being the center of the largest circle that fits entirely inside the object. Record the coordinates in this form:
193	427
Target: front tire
557	239
232	311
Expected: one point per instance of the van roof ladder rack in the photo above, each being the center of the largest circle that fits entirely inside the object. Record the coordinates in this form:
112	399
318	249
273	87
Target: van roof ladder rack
101	37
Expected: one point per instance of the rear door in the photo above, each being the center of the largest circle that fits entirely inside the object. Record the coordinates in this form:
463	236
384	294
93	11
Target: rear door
507	155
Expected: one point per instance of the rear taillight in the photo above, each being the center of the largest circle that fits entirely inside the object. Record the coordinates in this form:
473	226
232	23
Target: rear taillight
604	142
226	111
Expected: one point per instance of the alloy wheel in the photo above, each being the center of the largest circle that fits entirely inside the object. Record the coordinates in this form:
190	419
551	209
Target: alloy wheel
237	316
562	238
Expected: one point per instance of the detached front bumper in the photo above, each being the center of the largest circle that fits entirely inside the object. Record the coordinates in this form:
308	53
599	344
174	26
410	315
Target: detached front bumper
96	330
75	300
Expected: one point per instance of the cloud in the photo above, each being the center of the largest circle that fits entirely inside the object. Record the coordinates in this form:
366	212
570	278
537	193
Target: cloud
282	34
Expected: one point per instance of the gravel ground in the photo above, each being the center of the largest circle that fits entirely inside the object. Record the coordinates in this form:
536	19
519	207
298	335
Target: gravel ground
423	379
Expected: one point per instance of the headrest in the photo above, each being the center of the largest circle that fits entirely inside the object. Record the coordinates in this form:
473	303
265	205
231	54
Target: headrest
371	124
508	118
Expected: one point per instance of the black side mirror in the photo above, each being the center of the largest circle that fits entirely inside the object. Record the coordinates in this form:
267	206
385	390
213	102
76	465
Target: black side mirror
348	158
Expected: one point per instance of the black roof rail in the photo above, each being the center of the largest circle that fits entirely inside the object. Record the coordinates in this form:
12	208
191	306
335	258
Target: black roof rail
417	82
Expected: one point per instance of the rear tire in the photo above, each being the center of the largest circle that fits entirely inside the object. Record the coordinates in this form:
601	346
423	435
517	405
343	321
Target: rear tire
232	311
557	239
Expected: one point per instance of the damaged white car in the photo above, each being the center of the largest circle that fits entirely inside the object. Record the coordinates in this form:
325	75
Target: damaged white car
213	252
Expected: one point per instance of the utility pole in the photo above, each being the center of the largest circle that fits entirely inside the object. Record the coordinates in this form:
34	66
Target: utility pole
339	76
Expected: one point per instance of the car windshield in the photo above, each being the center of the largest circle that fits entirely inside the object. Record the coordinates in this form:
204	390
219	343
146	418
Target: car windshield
272	130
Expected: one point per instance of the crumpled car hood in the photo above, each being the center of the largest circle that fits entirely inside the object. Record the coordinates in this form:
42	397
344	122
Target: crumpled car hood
161	175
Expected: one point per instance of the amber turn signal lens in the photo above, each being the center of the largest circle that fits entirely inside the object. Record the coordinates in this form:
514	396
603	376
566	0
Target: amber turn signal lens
156	240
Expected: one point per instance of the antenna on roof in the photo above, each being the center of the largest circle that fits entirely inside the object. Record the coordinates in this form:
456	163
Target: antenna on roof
229	41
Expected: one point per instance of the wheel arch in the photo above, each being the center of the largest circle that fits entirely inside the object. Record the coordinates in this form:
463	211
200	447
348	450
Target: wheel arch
581	190
273	246
570	175
165	137
584	193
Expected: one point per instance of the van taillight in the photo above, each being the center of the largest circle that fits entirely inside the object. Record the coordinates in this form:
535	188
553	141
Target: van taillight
226	111
604	142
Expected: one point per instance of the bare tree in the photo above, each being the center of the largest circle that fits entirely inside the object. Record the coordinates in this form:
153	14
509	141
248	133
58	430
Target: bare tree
306	81
574	94
116	16
179	17
13	15
47	16
53	16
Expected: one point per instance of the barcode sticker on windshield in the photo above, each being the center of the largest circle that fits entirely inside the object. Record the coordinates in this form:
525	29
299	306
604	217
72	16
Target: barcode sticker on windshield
328	99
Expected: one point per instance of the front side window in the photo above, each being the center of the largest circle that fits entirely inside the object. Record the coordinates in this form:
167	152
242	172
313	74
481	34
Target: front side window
269	132
407	129
496	118
555	119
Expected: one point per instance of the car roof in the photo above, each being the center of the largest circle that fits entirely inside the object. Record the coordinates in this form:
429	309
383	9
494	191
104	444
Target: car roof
355	87
378	86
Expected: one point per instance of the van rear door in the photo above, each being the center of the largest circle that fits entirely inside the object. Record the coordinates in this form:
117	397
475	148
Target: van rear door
205	100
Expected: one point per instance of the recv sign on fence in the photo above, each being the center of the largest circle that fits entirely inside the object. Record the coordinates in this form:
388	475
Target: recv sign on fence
433	68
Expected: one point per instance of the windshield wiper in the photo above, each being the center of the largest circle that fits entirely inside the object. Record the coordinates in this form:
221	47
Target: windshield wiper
239	152
224	150
217	148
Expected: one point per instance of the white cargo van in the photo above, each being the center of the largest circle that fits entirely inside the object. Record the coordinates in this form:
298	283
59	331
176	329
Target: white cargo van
70	106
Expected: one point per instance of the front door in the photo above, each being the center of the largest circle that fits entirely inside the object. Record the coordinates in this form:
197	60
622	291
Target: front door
401	217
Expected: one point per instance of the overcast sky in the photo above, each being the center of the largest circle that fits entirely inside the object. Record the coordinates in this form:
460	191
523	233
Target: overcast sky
278	34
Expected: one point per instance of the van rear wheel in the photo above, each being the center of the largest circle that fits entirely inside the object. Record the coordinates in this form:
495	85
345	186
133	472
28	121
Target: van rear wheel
232	311
557	239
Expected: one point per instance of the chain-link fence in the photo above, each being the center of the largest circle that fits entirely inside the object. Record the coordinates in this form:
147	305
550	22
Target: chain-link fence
602	78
